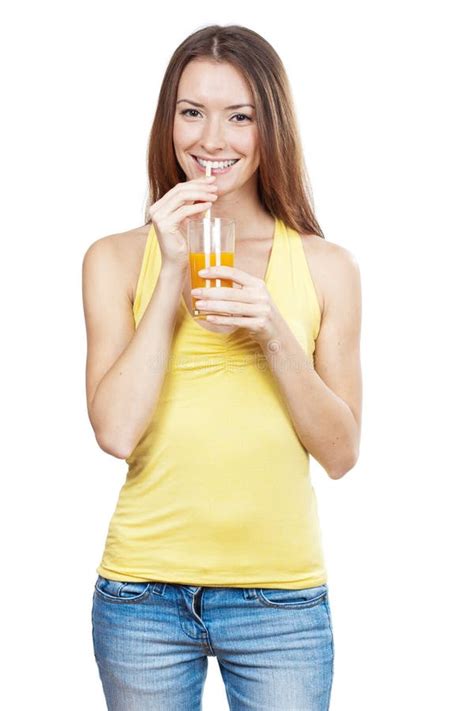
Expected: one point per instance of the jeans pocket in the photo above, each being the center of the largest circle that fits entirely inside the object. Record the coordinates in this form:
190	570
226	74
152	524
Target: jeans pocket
284	597
121	590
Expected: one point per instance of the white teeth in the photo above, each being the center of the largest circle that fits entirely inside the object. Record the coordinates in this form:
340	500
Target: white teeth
217	165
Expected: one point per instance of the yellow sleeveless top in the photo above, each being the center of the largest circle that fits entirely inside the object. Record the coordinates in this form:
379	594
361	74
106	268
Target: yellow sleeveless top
218	489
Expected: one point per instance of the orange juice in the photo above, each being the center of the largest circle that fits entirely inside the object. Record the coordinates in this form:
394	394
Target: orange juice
197	261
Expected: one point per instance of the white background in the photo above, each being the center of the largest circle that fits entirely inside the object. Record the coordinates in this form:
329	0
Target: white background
383	93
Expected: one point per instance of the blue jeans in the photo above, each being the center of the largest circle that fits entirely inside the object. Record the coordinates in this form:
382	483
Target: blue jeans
151	642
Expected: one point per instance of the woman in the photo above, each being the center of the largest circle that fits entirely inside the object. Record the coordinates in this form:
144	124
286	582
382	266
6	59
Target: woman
214	547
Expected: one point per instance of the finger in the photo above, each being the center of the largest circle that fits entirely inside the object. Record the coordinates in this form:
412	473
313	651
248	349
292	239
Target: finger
192	187
195	196
232	273
248	295
236	308
186	210
252	325
182	193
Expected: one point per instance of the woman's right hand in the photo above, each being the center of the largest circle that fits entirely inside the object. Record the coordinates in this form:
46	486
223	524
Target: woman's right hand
170	215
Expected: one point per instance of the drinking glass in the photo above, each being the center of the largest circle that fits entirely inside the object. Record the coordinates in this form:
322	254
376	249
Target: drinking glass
211	242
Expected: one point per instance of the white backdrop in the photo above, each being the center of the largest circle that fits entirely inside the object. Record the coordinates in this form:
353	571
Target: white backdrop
383	93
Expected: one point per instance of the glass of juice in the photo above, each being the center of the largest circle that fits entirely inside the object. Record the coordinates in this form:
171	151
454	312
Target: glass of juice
211	242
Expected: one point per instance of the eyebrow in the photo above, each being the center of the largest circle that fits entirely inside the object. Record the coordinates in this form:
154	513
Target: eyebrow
201	106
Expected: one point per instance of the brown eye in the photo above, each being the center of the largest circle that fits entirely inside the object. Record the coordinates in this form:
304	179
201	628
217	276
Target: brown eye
244	116
186	110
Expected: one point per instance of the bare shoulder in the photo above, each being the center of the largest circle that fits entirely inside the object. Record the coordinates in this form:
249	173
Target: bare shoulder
124	251
332	268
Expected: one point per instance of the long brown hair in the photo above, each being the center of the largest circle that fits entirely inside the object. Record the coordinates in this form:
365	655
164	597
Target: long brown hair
283	184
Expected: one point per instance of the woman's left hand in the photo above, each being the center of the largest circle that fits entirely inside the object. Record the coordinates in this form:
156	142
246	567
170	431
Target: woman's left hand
251	305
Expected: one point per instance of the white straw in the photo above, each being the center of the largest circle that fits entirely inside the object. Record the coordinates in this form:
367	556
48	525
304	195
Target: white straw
208	175
217	234
207	233
217	245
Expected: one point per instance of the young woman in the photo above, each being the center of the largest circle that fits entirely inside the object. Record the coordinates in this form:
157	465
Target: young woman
214	547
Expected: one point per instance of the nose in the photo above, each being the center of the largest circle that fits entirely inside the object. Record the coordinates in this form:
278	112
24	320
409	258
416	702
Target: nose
213	138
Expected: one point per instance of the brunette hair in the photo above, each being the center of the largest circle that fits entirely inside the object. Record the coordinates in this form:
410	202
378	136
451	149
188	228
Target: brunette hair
283	184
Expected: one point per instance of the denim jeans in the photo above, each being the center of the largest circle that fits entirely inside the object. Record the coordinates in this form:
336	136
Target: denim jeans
151	641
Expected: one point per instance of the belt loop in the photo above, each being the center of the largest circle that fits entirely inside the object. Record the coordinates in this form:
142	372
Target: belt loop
249	593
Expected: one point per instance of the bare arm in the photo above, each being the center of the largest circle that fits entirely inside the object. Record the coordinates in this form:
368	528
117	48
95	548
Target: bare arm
125	367
325	398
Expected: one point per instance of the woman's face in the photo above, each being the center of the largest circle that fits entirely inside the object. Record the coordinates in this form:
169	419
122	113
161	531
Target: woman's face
213	130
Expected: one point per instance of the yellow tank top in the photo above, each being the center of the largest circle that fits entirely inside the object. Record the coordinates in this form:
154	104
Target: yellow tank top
218	489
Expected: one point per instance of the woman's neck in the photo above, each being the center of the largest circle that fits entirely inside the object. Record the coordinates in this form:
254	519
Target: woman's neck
251	218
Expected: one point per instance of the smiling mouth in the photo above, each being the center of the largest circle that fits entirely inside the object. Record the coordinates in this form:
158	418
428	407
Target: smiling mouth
216	169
